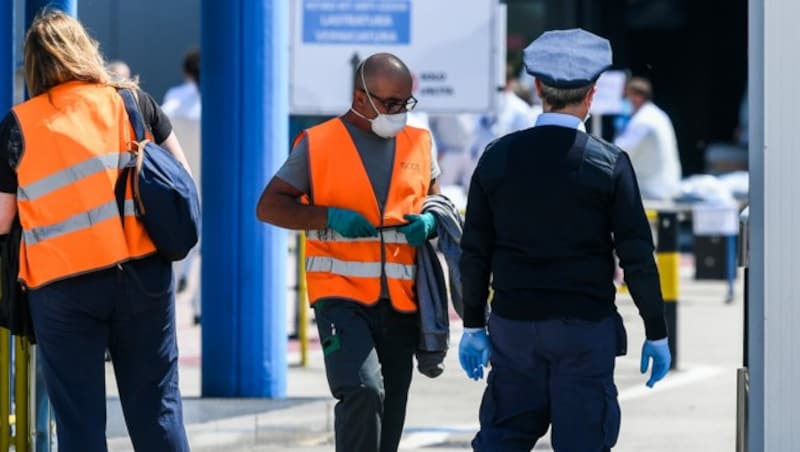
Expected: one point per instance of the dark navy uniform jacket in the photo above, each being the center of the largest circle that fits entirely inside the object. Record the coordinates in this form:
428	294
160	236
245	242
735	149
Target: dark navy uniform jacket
547	208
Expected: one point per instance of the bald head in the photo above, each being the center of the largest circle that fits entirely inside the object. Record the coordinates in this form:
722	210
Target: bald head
380	68
384	79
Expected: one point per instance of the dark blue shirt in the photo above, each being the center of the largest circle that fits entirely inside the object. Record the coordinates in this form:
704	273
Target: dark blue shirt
547	209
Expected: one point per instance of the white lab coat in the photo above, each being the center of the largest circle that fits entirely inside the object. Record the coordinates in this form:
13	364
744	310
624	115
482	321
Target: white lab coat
183	107
420	120
454	135
649	139
183	101
513	114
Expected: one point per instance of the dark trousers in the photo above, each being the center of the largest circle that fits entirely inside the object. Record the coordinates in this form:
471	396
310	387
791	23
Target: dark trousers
130	311
557	373
369	361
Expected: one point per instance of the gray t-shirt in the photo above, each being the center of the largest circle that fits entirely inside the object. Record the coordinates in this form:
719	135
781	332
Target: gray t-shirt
377	156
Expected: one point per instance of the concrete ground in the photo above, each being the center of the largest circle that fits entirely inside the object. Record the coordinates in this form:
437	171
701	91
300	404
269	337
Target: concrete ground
692	409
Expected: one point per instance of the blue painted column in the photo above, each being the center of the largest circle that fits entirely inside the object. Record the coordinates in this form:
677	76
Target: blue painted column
6	55
244	84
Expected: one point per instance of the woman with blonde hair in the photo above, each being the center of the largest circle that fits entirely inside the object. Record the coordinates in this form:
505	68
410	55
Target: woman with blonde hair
92	274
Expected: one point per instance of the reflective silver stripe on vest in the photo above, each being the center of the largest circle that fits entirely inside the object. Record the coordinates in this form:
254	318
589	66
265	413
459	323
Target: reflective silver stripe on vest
67	176
359	269
400	271
329	235
76	222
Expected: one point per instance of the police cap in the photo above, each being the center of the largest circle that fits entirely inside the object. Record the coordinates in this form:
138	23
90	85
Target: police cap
568	58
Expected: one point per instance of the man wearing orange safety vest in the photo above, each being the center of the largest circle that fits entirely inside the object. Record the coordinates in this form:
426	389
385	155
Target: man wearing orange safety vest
360	180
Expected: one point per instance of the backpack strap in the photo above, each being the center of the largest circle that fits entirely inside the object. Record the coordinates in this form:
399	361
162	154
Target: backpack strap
129	174
135	116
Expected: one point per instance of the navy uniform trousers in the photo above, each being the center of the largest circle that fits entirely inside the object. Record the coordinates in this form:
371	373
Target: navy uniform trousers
369	363
130	311
557	373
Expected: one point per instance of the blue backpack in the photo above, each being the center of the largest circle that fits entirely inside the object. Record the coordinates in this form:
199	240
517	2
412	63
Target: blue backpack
165	196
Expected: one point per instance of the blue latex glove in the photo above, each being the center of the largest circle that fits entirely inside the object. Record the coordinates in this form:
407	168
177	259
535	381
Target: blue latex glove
658	351
349	223
419	228
474	351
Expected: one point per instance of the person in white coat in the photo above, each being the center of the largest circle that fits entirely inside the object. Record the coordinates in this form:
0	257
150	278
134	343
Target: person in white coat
510	114
649	139
421	120
454	135
183	106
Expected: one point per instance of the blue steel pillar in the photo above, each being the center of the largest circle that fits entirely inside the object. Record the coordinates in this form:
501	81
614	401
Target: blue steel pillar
6	55
244	83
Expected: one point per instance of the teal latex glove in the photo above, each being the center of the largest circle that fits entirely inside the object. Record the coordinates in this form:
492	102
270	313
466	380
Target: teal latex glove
419	228
349	223
474	351
658	351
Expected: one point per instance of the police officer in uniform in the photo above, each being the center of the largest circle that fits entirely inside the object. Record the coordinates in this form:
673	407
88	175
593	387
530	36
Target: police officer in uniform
547	208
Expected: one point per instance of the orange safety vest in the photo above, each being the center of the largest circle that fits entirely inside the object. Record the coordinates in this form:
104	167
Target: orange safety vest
76	138
338	267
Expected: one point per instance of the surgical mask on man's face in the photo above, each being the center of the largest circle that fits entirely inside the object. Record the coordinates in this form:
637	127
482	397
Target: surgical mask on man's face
384	125
388	126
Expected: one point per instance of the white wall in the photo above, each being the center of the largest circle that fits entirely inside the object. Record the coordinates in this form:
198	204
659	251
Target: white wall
775	225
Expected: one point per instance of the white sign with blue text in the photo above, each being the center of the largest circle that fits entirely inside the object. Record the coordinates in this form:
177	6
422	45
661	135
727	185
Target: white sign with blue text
450	46
357	22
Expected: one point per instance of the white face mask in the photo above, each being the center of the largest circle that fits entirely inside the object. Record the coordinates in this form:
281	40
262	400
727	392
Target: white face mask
383	125
388	126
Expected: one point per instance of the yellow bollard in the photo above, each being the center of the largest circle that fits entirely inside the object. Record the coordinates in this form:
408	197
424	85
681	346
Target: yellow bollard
5	389
302	298
21	395
669	265
652	218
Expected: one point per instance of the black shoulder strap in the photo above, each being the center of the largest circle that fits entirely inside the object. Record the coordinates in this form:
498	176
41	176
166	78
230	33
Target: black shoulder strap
575	153
132	107
119	191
